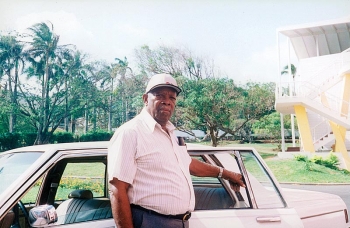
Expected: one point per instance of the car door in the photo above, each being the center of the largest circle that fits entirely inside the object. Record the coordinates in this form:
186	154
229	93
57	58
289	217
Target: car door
82	172
260	204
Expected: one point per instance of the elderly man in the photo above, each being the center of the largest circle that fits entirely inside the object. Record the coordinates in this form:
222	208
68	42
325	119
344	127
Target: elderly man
149	172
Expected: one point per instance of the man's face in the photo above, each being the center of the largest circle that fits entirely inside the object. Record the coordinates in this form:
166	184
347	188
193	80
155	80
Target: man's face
160	103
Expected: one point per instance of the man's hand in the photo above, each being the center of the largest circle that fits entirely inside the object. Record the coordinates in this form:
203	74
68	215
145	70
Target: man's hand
235	180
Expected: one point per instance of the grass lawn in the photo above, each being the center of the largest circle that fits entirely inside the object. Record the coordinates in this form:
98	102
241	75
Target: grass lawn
290	170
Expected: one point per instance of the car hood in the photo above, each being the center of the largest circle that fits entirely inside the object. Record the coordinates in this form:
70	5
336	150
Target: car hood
311	203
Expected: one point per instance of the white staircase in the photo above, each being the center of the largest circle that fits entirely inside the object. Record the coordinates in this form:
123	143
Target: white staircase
324	75
319	85
286	105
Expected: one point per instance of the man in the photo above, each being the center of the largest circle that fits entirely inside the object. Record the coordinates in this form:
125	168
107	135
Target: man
149	172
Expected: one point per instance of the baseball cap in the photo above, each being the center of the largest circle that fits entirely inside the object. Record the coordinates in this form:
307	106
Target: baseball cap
162	80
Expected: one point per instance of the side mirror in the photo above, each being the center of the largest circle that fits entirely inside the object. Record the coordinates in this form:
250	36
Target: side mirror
43	215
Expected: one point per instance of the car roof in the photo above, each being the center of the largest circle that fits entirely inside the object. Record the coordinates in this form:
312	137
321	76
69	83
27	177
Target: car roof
191	147
63	146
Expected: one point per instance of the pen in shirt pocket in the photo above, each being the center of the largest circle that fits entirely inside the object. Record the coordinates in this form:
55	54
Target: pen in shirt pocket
181	141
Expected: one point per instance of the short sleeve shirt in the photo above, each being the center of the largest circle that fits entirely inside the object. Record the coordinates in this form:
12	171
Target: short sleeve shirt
142	154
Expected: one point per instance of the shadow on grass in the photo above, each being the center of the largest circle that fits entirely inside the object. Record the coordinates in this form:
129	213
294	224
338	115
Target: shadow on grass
267	155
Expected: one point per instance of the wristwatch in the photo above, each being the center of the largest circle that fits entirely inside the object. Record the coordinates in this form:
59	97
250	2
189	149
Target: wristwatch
220	172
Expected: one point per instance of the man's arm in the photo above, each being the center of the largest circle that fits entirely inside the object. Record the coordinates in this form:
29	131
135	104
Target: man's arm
120	203
201	169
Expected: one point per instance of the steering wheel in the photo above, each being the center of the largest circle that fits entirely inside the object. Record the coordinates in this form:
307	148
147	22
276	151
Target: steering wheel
25	212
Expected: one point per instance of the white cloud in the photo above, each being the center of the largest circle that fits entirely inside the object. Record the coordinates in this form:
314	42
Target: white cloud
129	30
260	66
63	22
66	25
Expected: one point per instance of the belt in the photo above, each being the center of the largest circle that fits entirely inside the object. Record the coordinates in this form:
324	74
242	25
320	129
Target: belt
184	217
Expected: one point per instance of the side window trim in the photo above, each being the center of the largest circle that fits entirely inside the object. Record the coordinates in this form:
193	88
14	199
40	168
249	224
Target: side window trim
266	172
250	192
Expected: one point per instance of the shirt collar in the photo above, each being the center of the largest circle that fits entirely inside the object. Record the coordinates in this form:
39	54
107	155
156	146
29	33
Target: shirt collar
151	123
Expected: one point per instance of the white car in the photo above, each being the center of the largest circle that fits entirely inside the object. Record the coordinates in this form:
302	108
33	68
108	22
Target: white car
65	185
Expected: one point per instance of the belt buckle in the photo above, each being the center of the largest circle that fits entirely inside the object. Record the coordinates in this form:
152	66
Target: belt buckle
187	216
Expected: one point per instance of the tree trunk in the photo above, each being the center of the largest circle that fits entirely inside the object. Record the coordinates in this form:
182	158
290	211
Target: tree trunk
86	129
72	124
126	111
214	141
44	106
66	123
110	115
95	118
110	109
11	122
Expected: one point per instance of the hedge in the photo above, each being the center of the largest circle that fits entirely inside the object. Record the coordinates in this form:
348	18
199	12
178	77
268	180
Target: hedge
10	141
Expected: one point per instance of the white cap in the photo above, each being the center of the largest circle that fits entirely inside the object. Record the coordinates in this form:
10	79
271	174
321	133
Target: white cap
162	80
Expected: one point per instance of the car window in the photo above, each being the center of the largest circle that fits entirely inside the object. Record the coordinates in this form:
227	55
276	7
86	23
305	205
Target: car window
31	196
213	193
265	192
14	165
85	184
82	175
204	180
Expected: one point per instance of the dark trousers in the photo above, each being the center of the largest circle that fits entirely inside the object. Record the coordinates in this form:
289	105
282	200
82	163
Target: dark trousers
144	219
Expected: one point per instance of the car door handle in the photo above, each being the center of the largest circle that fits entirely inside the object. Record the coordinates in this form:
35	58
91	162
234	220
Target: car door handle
269	219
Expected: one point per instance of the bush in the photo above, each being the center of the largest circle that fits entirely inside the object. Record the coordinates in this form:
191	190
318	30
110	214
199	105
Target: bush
317	160
74	183
62	137
301	158
96	136
304	158
331	161
9	141
28	139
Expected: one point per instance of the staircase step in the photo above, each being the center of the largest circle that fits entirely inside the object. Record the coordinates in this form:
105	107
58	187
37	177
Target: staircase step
293	149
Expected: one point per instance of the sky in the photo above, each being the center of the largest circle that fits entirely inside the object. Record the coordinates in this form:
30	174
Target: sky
238	35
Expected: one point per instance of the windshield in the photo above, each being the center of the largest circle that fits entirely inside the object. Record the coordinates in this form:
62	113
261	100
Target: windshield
13	165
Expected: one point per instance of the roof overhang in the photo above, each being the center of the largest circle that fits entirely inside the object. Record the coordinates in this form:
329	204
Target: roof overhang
317	39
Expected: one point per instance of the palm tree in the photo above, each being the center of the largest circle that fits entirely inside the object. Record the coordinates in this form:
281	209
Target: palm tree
286	70
110	73
70	67
12	57
121	68
44	54
293	72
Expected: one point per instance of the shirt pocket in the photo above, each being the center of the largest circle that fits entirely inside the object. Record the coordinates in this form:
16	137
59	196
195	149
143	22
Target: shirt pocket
184	156
151	160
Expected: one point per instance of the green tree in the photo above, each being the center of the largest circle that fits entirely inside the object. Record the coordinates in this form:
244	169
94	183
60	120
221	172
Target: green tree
270	125
70	67
95	93
46	56
12	61
118	71
218	104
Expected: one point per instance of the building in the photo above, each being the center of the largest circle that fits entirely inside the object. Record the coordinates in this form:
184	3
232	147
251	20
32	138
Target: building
319	94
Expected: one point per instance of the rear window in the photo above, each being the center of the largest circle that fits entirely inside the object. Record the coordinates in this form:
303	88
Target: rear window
82	175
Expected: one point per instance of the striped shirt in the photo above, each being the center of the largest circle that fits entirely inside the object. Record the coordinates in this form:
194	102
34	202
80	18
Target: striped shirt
142	154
